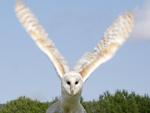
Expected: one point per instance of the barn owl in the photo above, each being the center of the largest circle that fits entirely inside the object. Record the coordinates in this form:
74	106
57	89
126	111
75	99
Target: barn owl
72	80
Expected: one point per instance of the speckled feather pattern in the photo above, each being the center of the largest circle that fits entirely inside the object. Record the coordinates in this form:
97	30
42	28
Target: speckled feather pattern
38	34
113	38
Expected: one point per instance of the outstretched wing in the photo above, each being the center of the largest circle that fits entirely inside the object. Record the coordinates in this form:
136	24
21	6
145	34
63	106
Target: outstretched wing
38	34
113	38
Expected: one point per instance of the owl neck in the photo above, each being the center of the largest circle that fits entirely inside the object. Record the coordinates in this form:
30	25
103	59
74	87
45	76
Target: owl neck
70	101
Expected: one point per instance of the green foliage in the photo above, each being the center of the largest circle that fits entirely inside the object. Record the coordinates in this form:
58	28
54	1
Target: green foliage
1	105
120	102
24	105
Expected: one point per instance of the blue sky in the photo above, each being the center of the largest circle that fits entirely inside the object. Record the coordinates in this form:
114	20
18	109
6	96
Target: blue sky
75	27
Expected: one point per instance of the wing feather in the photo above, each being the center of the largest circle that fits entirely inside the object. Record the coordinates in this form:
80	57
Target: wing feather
113	38
38	34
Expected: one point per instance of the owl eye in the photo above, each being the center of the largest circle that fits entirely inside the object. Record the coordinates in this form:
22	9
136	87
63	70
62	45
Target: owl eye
76	82
68	82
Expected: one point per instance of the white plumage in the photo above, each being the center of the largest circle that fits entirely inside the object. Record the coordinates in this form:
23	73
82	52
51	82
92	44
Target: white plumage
39	35
113	38
72	80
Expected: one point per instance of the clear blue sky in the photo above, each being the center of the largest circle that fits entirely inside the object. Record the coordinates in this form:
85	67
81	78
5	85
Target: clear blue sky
75	27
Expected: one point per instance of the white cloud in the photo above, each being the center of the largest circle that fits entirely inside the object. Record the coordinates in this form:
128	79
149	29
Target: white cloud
142	22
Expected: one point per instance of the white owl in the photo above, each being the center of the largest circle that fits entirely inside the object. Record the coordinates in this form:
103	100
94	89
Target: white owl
72	80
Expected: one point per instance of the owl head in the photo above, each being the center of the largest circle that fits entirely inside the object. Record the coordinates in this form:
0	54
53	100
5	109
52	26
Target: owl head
72	83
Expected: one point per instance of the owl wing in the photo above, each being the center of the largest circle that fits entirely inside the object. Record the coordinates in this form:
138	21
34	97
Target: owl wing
38	34
113	38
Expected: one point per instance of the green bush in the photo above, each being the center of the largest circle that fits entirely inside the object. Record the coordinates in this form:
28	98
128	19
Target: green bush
1	105
24	105
120	102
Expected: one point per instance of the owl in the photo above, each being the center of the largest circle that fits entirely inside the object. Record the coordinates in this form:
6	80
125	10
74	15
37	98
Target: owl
72	79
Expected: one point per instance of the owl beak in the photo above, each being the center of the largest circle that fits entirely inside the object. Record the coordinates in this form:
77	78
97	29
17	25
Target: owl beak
72	90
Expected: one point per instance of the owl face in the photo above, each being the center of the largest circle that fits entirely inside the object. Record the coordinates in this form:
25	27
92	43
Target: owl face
72	83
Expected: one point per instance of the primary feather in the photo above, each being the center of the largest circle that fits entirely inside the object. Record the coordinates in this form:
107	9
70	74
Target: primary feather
113	38
39	35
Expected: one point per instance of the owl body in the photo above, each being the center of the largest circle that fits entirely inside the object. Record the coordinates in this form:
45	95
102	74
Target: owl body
67	103
72	81
69	107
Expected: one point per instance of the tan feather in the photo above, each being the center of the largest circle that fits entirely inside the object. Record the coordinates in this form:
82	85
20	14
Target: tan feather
38	34
113	38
